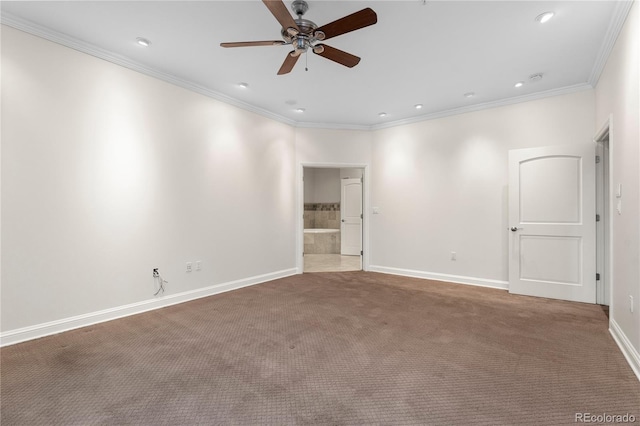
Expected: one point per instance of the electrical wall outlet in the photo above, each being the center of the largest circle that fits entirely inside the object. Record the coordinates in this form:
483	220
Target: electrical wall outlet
189	266
198	265
454	255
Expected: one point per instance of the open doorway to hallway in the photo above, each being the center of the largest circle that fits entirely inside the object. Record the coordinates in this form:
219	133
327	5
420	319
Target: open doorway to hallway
332	219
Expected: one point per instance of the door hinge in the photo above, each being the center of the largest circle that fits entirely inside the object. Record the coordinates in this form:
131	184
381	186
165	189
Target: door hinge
597	218
597	276
361	216
361	253
597	159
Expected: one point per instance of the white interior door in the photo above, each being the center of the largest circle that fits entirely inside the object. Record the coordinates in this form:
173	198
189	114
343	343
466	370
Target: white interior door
351	217
552	219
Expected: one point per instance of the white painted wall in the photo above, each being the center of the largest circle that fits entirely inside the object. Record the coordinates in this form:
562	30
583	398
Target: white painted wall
321	185
441	185
108	173
353	173
333	146
618	95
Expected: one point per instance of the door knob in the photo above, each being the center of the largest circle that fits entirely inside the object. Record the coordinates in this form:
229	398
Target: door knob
514	229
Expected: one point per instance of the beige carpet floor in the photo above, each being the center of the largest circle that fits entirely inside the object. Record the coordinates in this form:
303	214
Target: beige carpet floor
346	348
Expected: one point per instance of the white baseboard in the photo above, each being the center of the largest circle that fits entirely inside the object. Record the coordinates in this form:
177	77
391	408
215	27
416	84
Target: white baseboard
627	349
458	279
12	337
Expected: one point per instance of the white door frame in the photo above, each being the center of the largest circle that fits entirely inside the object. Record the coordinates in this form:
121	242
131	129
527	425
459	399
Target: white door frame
300	209
605	257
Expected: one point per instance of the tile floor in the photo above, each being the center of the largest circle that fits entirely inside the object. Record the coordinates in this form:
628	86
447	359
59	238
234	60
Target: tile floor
331	263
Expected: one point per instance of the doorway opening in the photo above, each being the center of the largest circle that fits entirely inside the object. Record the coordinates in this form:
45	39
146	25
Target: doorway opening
332	219
603	216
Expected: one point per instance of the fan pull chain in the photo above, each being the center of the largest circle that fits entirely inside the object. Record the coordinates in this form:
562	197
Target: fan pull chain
306	61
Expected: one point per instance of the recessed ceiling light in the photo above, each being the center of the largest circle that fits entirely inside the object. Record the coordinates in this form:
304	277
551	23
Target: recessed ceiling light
544	17
243	85
382	114
300	110
536	76
143	42
519	84
418	106
469	94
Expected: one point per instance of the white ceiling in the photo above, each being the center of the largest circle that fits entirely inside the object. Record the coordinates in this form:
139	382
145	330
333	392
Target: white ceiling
418	53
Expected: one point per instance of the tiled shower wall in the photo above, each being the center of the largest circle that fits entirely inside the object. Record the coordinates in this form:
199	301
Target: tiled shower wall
322	215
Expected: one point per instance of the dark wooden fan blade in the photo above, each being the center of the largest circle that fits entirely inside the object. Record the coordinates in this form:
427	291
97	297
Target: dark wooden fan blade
339	56
253	43
349	23
288	64
280	12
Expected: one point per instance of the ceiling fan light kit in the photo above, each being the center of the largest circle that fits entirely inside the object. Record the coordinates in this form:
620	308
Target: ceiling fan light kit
303	34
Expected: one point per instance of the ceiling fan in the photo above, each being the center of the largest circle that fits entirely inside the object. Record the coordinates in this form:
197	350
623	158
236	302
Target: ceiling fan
303	34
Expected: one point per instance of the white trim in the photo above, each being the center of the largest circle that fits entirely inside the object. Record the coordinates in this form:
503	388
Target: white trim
630	353
604	130
608	127
12	337
458	279
334	126
606	256
618	18
486	105
100	53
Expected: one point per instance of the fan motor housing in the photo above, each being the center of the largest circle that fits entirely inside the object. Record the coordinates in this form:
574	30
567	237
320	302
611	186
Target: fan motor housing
299	7
306	26
306	29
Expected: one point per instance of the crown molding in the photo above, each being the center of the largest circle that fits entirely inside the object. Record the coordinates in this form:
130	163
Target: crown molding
487	105
333	126
616	23
615	26
454	111
90	49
